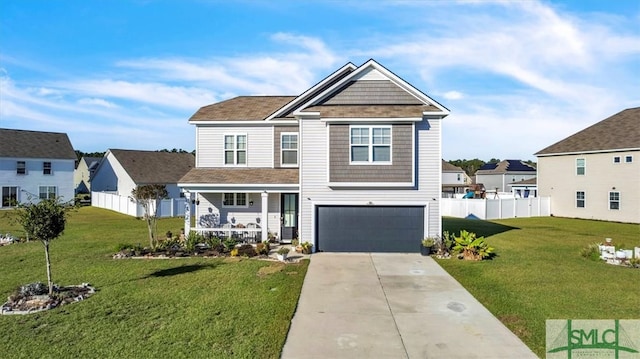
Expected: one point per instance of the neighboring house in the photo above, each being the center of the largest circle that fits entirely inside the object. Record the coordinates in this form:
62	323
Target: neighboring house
351	164
524	188
498	176
454	180
83	174
121	171
595	173
35	165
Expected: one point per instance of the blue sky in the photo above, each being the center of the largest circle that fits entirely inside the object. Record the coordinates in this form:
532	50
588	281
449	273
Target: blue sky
517	76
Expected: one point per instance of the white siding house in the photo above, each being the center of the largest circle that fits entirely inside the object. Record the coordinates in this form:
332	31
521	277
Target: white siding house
595	173
121	171
35	165
351	164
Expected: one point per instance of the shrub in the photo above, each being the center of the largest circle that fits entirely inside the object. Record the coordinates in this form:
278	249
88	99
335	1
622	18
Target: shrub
229	243
234	252
262	248
428	242
246	250
472	247
444	244
124	247
591	251
27	290
283	250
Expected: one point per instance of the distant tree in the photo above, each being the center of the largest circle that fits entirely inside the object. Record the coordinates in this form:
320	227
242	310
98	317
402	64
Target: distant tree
494	160
44	221
531	163
149	197
175	150
469	166
80	154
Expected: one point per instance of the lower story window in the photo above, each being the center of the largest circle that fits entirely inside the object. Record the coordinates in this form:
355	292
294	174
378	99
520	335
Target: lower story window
47	192
9	196
234	199
580	199
614	200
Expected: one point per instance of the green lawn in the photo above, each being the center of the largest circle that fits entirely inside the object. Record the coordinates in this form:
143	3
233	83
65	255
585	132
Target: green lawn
171	308
539	273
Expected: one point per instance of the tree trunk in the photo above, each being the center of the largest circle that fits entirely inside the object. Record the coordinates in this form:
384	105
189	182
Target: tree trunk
46	254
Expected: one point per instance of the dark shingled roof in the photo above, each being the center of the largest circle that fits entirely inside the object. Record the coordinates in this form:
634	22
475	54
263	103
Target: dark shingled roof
242	108
530	181
505	166
35	144
620	131
242	176
147	167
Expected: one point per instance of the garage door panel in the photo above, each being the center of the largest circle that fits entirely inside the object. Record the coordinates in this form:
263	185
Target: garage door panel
369	228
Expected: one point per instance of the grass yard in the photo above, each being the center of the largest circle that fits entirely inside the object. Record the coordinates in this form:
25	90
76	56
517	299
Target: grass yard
539	273
171	308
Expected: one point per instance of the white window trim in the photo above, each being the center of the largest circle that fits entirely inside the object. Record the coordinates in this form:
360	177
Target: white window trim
55	191
609	201
584	199
370	161
50	168
630	157
584	166
235	150
282	164
235	200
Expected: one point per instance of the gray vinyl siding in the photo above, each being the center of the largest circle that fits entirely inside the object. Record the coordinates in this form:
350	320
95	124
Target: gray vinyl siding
372	92
277	131
210	142
315	190
400	170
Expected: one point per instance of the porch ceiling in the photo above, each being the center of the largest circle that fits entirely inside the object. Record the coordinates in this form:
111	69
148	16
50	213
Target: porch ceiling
240	176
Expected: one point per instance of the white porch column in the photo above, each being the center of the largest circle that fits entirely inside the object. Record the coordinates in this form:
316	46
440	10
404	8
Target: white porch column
265	215
187	213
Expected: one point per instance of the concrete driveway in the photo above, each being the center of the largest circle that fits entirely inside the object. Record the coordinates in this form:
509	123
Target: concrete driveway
387	305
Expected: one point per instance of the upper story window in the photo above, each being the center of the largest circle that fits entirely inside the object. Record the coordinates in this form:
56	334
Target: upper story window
289	149
234	200
48	192
21	168
580	199
616	159
614	200
580	166
628	159
235	149
46	168
370	144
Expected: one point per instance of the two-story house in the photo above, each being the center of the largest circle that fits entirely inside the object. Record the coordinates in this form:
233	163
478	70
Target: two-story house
35	165
454	180
121	171
84	173
498	176
595	173
351	164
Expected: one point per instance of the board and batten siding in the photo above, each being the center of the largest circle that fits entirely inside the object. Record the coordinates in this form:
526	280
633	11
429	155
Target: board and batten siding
210	142
558	180
314	189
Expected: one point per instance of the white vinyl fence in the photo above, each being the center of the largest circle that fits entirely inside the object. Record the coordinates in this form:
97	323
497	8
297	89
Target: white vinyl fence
496	208
172	207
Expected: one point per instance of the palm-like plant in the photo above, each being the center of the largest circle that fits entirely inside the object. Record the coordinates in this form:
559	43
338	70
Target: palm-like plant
472	247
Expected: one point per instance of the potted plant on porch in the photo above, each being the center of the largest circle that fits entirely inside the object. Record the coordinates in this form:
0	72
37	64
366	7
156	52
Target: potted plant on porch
282	253
426	245
306	247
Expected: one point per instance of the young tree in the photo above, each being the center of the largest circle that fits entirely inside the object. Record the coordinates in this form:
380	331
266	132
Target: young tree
149	197
45	221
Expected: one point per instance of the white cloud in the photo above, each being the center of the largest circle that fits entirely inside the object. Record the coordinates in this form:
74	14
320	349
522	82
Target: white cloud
97	102
453	95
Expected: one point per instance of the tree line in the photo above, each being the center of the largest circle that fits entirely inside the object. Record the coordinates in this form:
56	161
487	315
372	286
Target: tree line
80	154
